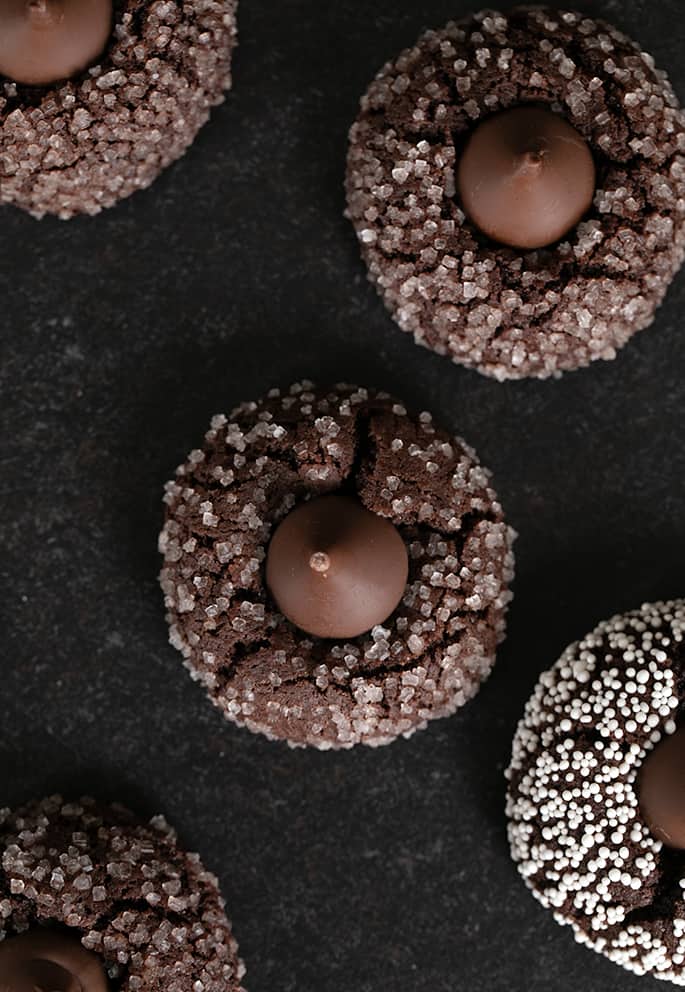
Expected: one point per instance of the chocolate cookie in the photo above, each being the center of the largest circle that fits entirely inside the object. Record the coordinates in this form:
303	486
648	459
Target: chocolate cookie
426	659
81	145
512	312
591	790
149	912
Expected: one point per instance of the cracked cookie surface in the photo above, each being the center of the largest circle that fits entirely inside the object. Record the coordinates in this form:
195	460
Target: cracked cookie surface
82	145
575	826
149	909
432	653
504	312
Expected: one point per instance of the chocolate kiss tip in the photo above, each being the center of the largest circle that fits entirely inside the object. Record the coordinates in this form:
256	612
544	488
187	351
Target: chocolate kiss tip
533	159
526	177
40	10
320	562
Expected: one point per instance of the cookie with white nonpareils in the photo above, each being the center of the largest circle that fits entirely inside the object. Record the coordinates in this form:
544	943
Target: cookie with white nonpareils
93	897
303	494
596	795
534	309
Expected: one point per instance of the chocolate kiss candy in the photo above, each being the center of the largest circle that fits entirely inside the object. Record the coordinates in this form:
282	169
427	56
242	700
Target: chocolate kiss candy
661	790
45	41
526	177
49	961
335	569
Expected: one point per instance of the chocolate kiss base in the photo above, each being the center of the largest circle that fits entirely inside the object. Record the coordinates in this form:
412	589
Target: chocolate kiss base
335	569
661	790
44	960
526	177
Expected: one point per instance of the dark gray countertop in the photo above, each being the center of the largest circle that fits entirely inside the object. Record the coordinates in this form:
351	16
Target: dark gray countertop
366	871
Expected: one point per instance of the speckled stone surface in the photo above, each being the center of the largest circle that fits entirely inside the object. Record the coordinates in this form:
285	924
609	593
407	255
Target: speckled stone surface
575	825
391	866
82	145
427	659
513	313
149	910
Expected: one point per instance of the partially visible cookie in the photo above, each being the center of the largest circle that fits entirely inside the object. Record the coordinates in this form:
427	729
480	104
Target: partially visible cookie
427	659
148	910
511	313
81	145
586	814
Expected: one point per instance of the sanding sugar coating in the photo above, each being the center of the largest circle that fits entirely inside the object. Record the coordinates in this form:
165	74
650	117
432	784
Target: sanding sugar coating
576	829
505	312
82	145
149	909
432	653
